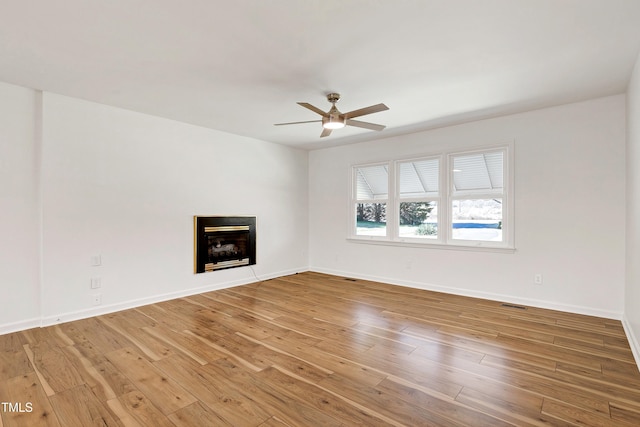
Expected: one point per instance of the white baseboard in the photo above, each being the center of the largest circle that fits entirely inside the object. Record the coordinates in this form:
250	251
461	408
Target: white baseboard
633	342
550	305
8	328
125	305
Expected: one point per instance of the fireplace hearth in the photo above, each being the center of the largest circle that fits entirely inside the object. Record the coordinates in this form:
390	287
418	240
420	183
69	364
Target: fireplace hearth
224	242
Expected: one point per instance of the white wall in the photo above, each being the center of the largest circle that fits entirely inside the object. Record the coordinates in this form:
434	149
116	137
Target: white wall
19	208
569	207
125	186
632	290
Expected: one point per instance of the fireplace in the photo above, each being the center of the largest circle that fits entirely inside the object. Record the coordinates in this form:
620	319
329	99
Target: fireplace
224	242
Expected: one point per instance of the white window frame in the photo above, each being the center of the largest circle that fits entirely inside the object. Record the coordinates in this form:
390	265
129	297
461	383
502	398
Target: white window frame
398	199
446	195
506	195
355	201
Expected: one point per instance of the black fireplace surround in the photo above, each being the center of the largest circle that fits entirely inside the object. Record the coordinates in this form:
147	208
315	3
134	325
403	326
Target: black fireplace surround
224	242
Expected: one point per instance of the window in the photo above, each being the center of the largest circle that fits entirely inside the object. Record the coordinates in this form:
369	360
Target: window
418	194
477	195
450	199
372	192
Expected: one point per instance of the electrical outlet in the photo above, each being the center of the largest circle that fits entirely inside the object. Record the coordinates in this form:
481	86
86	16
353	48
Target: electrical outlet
97	299
96	260
537	279
96	282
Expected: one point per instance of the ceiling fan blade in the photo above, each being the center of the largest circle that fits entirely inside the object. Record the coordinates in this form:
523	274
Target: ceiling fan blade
366	110
366	125
325	132
297	123
312	108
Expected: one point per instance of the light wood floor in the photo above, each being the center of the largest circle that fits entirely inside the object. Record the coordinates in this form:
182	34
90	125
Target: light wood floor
318	350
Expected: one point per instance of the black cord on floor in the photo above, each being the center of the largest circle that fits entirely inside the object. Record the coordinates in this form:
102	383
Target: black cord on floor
255	275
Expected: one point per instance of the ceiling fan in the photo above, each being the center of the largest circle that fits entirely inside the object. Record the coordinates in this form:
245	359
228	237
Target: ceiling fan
334	119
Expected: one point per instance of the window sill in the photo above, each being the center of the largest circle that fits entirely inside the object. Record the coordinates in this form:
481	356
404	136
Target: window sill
427	245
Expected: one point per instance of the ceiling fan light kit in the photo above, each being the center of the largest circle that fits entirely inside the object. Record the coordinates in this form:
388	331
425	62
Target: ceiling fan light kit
334	119
333	122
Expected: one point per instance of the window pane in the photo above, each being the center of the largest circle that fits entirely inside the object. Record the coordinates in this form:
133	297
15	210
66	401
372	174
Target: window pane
371	219
419	178
372	182
478	171
477	219
419	220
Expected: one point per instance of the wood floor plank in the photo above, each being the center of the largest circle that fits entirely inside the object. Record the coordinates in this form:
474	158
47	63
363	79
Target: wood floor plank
621	372
288	360
552	352
450	410
94	339
344	367
625	412
197	414
568	413
55	370
294	411
13	359
242	349
38	336
184	344
88	372
549	385
510	404
385	405
483	345
79	407
229	405
165	393
336	405
121	413
21	390
211	324
14	363
312	349
599	383
12	342
116	381
274	422
246	304
140	408
169	320
147	344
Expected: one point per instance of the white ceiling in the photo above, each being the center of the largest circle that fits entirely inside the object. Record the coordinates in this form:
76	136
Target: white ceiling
240	66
